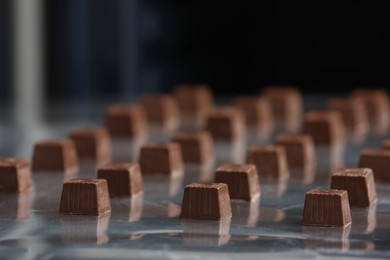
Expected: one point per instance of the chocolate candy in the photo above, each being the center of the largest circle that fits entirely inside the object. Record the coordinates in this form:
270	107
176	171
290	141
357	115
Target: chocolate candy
15	175
161	158
55	156
299	150
124	179
353	113
206	201
225	124
92	144
242	180
195	147
359	183
270	161
326	208
124	121
161	110
85	197
286	103
377	106
193	100
326	127
378	161
257	112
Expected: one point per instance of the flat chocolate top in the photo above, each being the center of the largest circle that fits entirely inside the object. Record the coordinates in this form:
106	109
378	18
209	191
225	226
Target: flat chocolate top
327	192
267	149
8	162
191	136
294	139
375	152
236	168
206	185
85	181
54	143
118	166
88	132
353	172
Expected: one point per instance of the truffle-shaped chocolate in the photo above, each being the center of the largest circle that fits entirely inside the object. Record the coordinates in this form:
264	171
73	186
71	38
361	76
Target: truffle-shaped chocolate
206	201
257	111
353	113
377	105
287	107
195	147
124	121
194	100
85	197
359	183
299	150
124	179
378	161
92	144
15	175
161	158
161	110
326	208
225	124
242	180
270	162
55	156
326	127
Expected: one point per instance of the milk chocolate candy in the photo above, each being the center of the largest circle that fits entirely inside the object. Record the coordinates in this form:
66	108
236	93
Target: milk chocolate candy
225	124
206	201
377	105
270	162
124	121
353	113
161	110
326	208
161	158
326	127
15	175
359	183
193	100
378	161
299	150
55	156
242	180
195	147
287	107
124	179
92	144
85	197
257	111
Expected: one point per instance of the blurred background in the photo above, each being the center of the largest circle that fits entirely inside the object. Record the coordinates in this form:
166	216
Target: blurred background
87	50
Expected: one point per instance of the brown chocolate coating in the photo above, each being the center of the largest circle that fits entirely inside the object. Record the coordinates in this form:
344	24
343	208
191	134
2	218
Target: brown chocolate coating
257	111
225	124
55	156
193	100
195	147
242	180
353	113
92	144
206	201
270	161
124	179
377	106
85	197
326	127
386	144
378	161
124	121
160	109
161	158
299	150
359	183
15	175
326	208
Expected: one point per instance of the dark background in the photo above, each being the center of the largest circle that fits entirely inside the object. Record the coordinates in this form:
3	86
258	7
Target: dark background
98	48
